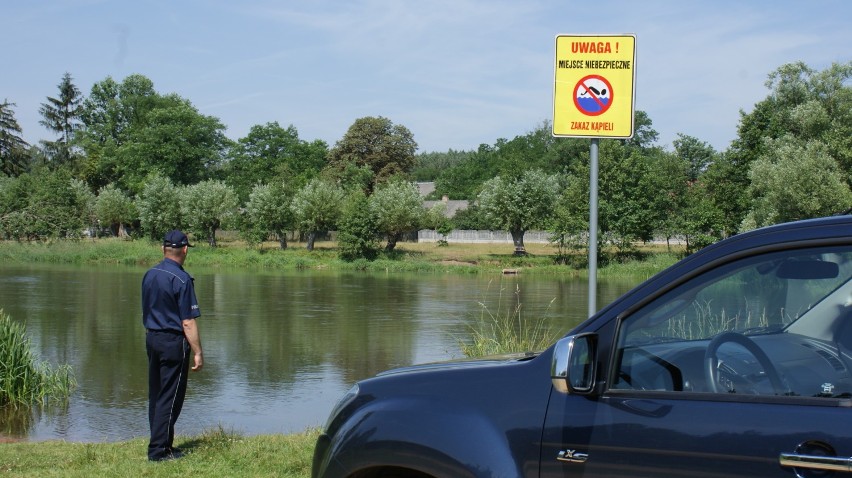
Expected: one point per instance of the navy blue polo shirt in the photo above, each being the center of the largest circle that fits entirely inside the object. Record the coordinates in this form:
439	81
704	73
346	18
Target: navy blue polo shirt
168	297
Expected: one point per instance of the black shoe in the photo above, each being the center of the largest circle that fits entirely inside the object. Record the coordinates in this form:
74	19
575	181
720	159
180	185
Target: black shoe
174	454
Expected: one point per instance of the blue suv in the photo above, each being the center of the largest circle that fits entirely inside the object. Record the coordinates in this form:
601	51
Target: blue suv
736	361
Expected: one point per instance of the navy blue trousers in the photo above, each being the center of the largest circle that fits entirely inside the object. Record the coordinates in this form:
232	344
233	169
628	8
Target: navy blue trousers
168	367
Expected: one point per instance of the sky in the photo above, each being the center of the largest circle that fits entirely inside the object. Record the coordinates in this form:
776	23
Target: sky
456	73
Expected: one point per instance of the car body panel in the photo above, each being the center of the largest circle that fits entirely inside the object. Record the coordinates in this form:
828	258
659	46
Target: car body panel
504	418
476	412
636	434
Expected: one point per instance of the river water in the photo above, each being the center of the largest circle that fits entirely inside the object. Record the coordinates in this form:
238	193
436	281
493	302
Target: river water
279	347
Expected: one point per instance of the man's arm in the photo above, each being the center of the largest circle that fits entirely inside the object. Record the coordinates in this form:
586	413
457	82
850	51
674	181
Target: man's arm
190	330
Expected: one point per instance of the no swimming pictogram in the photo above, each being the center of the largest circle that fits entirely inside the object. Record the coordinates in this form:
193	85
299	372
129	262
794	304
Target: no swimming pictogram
593	95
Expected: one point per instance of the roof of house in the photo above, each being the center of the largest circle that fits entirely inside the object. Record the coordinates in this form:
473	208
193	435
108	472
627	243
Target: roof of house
452	206
426	188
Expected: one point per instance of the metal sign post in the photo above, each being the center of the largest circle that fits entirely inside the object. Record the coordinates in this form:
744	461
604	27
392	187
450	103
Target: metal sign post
593	97
593	227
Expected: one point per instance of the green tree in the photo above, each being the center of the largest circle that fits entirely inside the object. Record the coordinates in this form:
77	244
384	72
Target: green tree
62	116
357	230
638	188
644	134
115	209
270	153
437	220
49	205
159	207
464	180
176	141
537	149
519	205
308	162
628	199
316	208
803	105
727	185
664	189
85	201
471	218
427	166
570	221
696	153
796	181
207	206
398	208
699	220
524	152
13	148
110	112
14	197
375	142
268	211
130	132
350	177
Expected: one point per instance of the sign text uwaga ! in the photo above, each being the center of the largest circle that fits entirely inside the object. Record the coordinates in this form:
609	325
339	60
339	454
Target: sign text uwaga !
593	91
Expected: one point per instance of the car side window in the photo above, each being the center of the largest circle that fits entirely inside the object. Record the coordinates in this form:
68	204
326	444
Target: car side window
773	324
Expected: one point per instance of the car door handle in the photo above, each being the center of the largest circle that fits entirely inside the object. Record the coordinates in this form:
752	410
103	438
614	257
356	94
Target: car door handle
816	462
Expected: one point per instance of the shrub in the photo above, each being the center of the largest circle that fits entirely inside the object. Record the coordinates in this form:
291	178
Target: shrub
23	379
357	230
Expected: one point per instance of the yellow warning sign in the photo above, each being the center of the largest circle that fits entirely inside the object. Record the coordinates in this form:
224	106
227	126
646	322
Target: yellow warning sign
593	91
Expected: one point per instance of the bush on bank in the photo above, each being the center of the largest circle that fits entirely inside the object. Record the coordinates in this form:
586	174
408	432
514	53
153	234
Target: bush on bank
24	380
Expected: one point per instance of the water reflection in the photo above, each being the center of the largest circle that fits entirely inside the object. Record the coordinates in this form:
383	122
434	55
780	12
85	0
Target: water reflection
280	348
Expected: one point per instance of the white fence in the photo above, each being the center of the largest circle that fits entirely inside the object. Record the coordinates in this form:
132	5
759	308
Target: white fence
531	237
468	236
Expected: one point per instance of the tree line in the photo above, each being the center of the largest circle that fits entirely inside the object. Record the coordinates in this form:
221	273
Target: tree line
129	160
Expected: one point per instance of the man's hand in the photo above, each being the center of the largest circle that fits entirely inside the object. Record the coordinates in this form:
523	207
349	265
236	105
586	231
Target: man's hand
190	330
199	362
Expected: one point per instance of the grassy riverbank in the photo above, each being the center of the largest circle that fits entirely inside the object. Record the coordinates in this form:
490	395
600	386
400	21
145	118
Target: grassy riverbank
218	453
408	257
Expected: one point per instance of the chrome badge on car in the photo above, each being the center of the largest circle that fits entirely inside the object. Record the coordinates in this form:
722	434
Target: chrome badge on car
572	456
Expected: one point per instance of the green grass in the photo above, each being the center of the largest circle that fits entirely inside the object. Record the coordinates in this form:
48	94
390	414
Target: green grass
24	380
506	330
217	452
408	257
650	264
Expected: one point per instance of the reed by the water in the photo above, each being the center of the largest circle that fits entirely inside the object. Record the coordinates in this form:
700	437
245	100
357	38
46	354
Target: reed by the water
24	379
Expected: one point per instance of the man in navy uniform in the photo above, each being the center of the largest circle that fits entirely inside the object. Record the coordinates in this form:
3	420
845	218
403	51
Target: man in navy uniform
169	310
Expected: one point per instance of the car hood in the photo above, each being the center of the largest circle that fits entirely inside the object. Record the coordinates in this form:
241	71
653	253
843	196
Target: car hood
493	360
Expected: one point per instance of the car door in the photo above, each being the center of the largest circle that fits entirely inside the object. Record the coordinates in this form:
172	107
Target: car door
737	371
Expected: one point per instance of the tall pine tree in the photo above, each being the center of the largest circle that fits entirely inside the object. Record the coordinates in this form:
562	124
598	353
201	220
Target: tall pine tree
13	148
62	116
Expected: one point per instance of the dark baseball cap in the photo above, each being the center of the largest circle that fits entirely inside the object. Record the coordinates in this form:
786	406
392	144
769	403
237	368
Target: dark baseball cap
176	239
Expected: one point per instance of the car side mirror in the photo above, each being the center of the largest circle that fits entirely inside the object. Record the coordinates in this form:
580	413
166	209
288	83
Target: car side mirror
572	367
